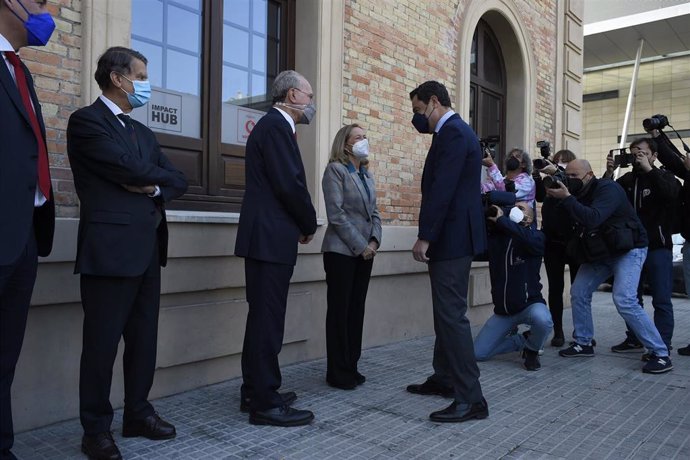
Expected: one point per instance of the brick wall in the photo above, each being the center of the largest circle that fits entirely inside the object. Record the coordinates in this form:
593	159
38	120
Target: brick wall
56	69
393	45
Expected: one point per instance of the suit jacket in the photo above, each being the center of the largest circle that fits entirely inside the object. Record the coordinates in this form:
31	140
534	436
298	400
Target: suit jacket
117	228
353	218
277	206
451	216
19	174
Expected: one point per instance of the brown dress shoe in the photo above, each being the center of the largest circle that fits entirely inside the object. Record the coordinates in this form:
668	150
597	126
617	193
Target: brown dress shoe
151	427
100	446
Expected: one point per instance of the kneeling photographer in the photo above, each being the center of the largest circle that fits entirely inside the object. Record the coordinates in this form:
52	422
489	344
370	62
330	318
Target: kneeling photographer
653	192
515	250
558	228
610	240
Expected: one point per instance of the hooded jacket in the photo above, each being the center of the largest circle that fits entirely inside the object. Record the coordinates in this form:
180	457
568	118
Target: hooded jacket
515	254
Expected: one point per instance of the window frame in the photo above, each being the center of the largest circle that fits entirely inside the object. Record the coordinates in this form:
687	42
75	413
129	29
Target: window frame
206	160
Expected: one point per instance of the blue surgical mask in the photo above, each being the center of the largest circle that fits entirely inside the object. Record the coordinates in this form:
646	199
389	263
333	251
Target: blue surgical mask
39	27
142	92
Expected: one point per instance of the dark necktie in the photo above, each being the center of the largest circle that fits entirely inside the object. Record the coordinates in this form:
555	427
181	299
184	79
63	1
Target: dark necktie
129	126
43	167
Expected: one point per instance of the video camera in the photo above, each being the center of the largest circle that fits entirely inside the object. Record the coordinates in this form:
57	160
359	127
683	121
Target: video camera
545	152
488	144
657	121
623	159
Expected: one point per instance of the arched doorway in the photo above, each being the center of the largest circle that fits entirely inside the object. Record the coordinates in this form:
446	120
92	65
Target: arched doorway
488	88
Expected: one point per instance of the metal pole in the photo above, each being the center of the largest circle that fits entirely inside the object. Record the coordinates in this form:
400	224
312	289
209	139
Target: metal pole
631	99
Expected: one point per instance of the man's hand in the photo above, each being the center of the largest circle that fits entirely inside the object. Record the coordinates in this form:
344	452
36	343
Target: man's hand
305	239
499	213
549	169
642	161
369	252
610	165
686	162
419	250
560	193
146	189
487	160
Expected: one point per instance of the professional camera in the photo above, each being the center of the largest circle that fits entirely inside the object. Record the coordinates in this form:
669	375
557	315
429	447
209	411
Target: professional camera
505	200
657	121
488	144
545	152
623	159
553	180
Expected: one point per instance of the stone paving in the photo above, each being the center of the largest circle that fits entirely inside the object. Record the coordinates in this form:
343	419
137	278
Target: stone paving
597	408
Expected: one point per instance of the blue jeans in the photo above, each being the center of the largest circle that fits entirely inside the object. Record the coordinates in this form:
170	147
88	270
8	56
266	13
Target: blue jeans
493	339
626	270
686	267
658	272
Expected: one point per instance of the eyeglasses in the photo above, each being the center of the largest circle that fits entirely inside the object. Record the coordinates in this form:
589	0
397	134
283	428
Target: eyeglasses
309	95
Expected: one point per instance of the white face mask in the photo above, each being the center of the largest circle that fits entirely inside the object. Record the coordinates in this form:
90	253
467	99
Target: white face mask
562	165
360	149
516	215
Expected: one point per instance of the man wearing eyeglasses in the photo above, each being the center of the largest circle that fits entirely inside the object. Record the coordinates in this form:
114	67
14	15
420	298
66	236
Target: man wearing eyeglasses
276	214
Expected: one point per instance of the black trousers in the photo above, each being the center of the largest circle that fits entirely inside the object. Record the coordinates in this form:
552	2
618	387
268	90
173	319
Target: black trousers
267	290
16	286
117	307
347	280
555	260
454	361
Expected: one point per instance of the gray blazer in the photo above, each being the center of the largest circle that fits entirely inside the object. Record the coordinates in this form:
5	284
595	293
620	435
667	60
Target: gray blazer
353	219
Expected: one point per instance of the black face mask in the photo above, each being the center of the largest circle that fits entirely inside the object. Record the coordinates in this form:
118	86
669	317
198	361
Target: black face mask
575	186
512	164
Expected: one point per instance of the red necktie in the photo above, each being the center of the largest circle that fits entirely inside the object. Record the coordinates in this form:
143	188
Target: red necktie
43	168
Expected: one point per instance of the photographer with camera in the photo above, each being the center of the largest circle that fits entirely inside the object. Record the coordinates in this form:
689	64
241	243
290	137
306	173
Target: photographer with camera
515	250
610	240
653	192
679	164
518	178
558	228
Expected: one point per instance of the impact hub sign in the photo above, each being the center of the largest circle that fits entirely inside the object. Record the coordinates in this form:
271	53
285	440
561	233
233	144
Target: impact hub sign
165	113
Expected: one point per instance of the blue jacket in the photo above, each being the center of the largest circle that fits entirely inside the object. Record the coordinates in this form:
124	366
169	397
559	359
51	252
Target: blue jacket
515	254
451	216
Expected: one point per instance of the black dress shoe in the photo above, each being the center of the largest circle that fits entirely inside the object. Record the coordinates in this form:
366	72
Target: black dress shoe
342	386
359	378
431	388
461	412
281	416
100	446
288	398
151	427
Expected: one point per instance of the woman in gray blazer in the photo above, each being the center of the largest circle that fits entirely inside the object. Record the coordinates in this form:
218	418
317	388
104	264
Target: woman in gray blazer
349	246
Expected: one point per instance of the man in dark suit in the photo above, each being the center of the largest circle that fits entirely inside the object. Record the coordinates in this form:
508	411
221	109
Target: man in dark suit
122	179
276	214
451	232
26	196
